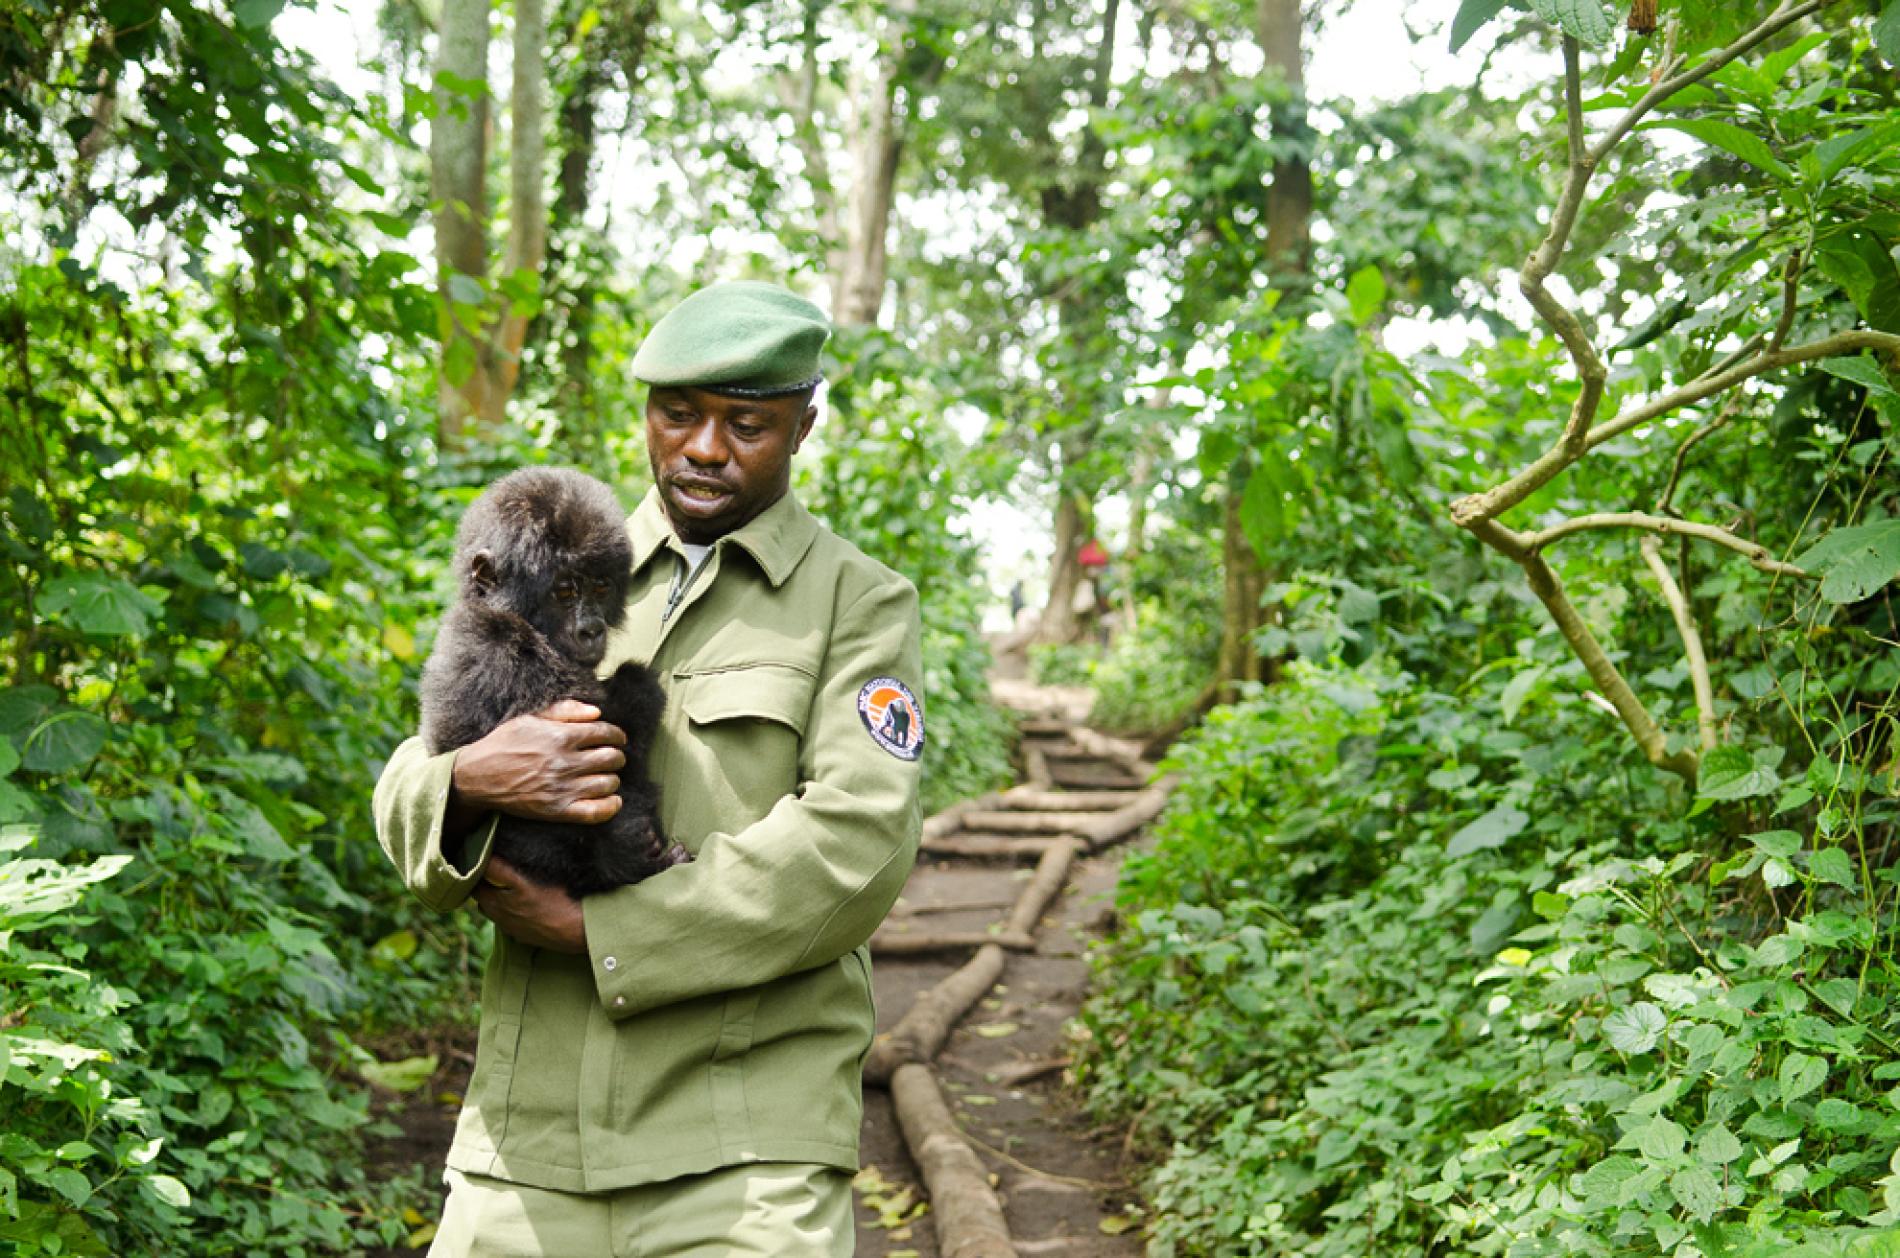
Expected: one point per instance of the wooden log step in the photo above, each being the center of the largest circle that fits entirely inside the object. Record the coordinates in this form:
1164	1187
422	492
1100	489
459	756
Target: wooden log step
1118	825
1008	821
890	943
950	820
964	1207
923	1029
1044	885
1031	799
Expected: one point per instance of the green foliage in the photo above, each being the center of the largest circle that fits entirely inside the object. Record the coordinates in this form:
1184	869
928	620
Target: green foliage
891	479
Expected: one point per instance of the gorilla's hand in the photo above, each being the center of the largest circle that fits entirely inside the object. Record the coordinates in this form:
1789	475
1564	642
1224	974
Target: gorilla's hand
559	764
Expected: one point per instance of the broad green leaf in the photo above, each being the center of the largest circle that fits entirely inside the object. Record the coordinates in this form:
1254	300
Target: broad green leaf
1730	772
1365	293
168	1190
1471	18
1732	139
1831	864
22	707
1855	562
65	740
1799	1075
1717	1146
1267	511
1835	154
1887	32
9	758
1696	1191
67	1182
1519	689
100	605
1491	830
1782	843
1861	263
256	13
1586	21
1861	371
400	1076
1660	1139
1636	1029
466	290
1605	1180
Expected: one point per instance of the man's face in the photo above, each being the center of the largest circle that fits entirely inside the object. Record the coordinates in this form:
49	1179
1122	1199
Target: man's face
720	460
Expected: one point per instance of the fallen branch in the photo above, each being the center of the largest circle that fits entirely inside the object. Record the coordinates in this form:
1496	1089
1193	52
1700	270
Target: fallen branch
1043	886
921	1032
1123	822
889	943
968	1217
1123	752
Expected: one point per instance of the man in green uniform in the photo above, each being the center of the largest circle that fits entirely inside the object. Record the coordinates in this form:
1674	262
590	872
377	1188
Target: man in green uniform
673	1068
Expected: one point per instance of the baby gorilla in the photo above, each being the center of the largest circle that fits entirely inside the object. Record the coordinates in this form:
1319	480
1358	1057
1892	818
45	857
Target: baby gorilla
543	562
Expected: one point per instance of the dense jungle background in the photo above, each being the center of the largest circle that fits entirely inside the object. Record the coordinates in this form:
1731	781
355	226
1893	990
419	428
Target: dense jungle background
1495	473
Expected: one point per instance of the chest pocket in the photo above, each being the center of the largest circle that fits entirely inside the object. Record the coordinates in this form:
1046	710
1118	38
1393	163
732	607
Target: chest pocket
745	724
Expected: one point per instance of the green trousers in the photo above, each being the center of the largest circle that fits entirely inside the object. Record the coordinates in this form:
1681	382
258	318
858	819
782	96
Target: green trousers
770	1209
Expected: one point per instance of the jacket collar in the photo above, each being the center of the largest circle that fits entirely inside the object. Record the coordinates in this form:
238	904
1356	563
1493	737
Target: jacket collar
777	538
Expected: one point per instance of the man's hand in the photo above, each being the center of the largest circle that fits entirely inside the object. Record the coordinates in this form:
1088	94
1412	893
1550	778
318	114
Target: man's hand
559	764
536	915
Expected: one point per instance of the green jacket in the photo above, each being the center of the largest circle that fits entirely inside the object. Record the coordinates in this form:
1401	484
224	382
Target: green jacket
725	1010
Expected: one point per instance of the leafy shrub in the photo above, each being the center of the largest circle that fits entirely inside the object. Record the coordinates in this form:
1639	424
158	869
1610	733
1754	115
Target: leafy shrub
1155	671
1399	979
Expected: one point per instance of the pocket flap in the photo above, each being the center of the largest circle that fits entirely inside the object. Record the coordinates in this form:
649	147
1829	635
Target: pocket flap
766	692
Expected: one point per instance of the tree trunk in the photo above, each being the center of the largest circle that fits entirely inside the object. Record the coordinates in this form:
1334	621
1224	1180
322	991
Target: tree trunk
1059	622
1289	235
527	203
458	164
858	284
1242	616
580	128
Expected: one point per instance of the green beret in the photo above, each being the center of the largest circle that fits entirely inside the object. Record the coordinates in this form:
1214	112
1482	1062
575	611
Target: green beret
746	338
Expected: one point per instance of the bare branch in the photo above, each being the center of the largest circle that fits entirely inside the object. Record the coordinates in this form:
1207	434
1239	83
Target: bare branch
1754	552
1692	651
1596	661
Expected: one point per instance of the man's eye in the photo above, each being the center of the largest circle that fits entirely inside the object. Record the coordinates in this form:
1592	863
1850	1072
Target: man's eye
746	432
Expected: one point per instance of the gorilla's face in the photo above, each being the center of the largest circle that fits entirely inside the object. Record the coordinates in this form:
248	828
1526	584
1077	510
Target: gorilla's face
580	605
719	460
550	546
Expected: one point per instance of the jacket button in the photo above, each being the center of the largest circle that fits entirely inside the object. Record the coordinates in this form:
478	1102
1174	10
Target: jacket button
619	1000
608	963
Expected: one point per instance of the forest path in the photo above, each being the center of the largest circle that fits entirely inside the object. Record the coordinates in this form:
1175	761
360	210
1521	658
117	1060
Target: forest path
1041	1182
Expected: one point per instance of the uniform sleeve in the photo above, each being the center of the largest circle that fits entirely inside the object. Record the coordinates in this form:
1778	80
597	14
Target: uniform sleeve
811	879
411	800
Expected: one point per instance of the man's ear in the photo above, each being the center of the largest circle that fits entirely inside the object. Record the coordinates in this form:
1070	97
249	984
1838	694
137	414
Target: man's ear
804	427
481	572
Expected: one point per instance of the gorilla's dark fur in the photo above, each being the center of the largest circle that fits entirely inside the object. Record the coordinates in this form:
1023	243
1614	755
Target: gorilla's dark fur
543	562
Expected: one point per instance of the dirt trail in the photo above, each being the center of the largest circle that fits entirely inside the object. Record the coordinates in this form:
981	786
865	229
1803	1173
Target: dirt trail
1061	1186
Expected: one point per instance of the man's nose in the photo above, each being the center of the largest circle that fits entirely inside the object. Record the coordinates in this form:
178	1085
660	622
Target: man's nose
706	443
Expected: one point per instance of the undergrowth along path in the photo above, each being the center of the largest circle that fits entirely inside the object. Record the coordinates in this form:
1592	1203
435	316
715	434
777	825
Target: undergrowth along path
978	970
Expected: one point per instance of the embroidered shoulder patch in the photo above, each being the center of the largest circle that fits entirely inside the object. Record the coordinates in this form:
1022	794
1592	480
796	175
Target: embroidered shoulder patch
891	714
